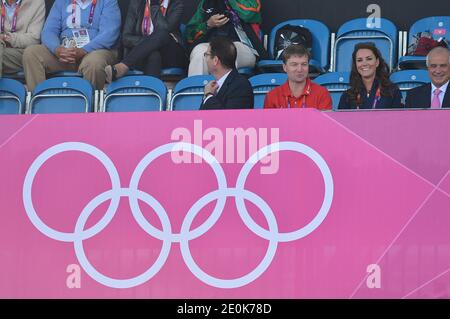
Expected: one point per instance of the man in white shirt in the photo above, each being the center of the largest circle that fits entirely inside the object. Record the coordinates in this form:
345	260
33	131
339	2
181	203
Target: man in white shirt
229	90
434	95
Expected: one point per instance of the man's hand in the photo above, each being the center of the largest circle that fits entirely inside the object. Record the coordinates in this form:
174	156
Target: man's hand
64	55
6	38
71	55
77	53
217	20
211	88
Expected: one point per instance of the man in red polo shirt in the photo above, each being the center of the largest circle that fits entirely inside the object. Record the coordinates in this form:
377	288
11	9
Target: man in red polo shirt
299	90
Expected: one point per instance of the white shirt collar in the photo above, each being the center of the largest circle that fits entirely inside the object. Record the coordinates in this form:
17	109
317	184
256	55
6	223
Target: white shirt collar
13	5
165	3
222	79
443	88
84	5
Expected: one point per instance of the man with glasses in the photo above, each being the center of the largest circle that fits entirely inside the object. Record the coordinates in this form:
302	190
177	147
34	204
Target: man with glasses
229	90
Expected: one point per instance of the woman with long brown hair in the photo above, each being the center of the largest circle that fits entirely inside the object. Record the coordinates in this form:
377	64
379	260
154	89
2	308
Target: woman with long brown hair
370	87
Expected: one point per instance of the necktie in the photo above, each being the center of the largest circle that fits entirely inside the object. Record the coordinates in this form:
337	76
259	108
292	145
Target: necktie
436	103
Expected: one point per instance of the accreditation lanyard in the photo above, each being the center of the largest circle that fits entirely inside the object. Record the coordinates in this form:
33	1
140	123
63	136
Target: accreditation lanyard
147	22
234	16
91	13
375	100
303	102
306	93
14	20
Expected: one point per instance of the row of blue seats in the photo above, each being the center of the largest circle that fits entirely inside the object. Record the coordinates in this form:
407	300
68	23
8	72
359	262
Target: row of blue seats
146	93
333	51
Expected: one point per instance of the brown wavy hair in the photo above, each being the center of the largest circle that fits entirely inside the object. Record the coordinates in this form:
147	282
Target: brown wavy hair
382	74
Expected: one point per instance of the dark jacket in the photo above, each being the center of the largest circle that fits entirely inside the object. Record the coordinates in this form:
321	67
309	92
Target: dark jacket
420	97
384	102
236	93
132	31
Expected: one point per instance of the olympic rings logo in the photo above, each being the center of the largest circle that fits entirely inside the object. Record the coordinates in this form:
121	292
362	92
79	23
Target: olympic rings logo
239	193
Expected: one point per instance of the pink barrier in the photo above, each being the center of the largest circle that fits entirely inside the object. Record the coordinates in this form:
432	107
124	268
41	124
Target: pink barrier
238	204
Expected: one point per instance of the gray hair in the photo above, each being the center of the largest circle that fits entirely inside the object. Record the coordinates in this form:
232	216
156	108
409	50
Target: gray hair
438	50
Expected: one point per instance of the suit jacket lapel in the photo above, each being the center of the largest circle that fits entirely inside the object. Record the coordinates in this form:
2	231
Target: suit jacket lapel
446	101
427	96
227	82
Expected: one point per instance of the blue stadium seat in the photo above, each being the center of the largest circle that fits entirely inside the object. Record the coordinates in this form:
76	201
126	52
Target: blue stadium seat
173	74
263	83
247	72
384	36
135	94
336	83
76	74
12	96
188	93
438	26
62	95
408	79
134	72
18	76
320	47
64	73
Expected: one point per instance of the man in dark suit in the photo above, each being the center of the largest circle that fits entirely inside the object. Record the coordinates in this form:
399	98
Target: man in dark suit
433	95
229	90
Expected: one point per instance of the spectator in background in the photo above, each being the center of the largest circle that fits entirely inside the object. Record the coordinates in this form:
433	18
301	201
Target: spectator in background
239	20
21	25
434	94
299	90
79	35
229	90
370	87
152	36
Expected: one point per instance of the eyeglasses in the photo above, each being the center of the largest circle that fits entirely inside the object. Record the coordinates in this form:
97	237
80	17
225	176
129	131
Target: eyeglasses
207	54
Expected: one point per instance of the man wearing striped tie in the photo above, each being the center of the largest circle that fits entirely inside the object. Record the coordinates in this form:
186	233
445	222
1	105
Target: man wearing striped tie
434	95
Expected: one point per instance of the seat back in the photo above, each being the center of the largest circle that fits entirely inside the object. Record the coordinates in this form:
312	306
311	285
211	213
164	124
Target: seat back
188	93
12	96
409	79
321	39
384	36
62	95
336	83
18	76
135	94
439	27
263	83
